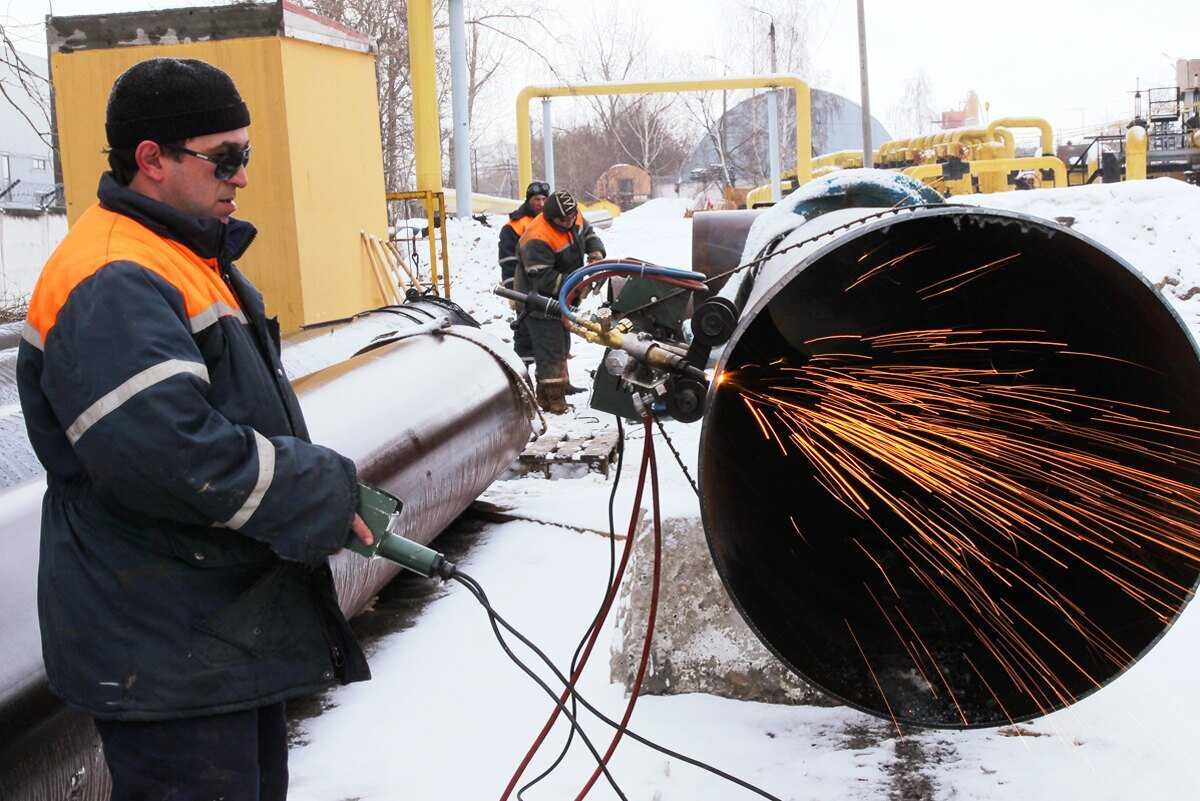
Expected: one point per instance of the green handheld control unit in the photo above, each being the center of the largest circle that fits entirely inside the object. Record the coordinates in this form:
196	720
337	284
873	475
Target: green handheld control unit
380	510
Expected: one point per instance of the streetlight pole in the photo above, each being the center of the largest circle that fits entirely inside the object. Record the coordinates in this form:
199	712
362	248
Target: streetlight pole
773	117
462	122
868	148
771	37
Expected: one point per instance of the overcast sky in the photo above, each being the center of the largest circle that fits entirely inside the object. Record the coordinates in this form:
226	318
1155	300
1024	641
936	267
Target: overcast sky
1071	61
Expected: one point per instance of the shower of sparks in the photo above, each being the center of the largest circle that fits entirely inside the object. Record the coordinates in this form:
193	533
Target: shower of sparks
985	467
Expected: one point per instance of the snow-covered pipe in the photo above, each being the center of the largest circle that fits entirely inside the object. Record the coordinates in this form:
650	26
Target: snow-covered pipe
432	418
813	579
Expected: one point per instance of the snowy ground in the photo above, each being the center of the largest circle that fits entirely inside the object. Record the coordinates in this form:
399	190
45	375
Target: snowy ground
448	717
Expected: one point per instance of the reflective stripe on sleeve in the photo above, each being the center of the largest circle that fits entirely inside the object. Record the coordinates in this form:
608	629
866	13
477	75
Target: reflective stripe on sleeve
266	472
536	268
143	380
216	311
31	335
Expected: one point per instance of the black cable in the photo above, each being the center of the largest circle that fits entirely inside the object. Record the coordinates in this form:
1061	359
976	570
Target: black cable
596	621
678	459
473	587
496	618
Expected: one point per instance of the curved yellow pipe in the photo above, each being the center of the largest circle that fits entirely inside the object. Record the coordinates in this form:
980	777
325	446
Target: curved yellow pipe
794	82
1027	122
1036	163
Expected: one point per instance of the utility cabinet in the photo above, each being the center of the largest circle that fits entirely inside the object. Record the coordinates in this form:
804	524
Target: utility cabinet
316	177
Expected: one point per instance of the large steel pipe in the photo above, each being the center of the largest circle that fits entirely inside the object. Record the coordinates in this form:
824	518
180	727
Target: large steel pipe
432	417
949	466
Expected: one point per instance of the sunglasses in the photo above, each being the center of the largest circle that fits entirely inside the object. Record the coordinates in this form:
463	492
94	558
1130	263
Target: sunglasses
225	165
538	188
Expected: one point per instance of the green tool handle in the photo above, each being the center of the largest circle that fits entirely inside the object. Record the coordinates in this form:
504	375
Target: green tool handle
410	555
380	510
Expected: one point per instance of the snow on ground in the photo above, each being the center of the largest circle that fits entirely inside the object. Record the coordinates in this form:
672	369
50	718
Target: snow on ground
448	717
1154	225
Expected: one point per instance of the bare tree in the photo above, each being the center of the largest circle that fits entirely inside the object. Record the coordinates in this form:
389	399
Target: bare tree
616	50
581	154
386	22
739	146
24	89
495	33
914	115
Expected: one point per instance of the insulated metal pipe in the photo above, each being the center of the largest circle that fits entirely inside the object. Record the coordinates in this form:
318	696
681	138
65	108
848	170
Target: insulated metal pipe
948	467
434	421
433	418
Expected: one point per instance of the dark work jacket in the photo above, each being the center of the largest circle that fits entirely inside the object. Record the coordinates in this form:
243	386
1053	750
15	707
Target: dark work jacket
187	517
547	254
510	235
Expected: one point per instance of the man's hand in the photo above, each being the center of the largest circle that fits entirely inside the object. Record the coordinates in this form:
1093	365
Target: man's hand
359	527
594	255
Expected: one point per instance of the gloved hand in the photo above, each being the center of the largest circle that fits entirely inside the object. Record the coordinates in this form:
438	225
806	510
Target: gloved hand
594	255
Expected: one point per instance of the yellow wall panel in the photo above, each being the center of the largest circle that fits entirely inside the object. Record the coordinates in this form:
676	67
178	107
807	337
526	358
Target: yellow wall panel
337	174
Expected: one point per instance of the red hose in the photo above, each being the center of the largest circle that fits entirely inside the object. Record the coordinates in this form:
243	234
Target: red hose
637	682
647	460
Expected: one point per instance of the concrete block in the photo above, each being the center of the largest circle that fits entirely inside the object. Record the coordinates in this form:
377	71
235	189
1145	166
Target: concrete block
701	643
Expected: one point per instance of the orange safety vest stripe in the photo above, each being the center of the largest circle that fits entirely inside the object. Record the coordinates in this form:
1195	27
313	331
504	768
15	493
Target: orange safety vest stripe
520	225
101	237
556	238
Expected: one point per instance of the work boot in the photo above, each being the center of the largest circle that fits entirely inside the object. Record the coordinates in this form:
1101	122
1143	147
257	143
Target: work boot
551	397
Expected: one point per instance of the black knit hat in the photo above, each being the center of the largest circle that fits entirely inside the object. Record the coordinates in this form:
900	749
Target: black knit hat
172	99
559	205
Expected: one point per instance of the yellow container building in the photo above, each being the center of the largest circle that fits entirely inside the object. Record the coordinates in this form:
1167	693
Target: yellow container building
316	179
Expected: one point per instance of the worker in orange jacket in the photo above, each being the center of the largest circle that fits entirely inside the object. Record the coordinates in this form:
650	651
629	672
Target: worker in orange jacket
558	242
518	220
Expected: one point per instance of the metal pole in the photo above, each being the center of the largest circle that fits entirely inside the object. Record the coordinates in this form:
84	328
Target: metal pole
773	144
771	36
773	124
868	149
462	122
548	142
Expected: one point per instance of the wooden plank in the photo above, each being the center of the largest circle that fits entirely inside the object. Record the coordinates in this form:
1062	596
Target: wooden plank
385	286
385	258
403	264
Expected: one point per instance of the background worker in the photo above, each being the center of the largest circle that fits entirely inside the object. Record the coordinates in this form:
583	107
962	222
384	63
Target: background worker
555	244
183	588
510	235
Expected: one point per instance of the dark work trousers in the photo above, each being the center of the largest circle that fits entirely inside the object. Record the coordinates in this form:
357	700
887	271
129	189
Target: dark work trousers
521	343
551	344
239	756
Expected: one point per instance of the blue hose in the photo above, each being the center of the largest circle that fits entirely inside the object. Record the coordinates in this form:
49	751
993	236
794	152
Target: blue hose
630	268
